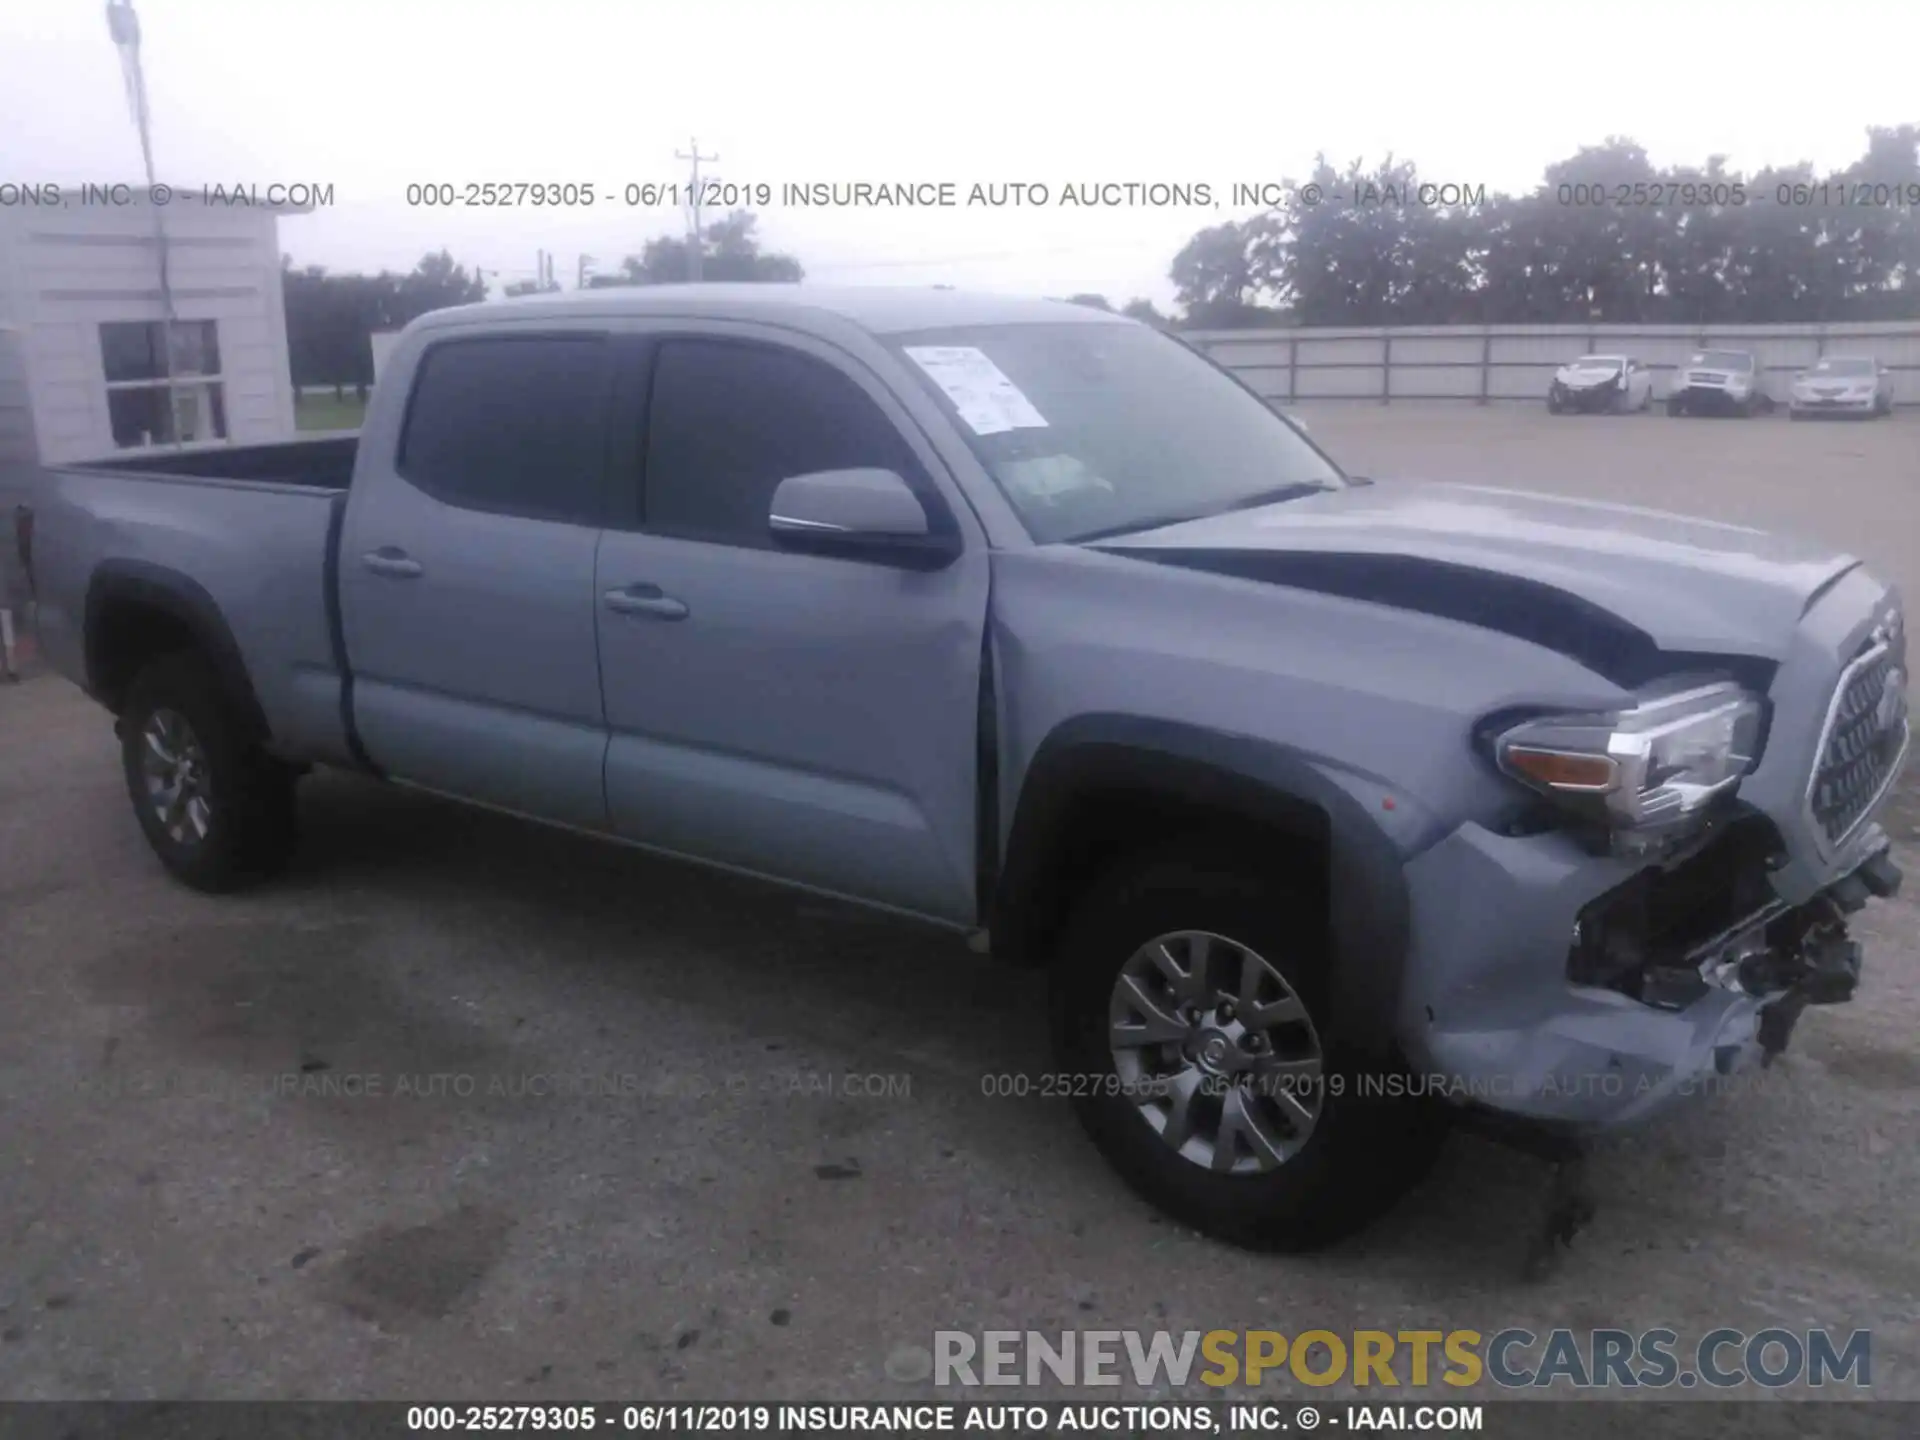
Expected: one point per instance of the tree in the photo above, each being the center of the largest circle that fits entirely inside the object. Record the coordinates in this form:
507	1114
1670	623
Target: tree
331	317
436	283
729	251
1138	309
1215	276
1606	236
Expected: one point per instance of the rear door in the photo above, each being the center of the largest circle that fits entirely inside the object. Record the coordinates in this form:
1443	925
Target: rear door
467	576
807	718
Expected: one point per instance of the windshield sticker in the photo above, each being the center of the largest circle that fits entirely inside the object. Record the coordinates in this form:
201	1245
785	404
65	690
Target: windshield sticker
987	400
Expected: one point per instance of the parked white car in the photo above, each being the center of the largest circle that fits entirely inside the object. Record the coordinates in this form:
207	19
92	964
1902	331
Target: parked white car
1601	382
1842	385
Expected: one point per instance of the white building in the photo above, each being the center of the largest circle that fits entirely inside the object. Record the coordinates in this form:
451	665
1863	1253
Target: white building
81	295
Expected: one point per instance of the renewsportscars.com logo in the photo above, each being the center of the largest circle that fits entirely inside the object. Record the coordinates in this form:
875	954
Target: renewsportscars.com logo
1513	1358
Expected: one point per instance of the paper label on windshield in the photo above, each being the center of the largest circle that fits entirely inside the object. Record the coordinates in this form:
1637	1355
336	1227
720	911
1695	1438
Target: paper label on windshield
987	400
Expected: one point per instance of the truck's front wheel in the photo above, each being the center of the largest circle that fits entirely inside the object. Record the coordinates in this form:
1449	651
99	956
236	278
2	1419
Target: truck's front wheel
217	810
1189	1015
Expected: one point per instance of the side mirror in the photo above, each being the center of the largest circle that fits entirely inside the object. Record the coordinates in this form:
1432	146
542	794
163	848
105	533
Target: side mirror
866	514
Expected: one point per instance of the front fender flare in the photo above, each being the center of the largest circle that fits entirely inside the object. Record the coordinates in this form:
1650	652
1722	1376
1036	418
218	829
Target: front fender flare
1369	831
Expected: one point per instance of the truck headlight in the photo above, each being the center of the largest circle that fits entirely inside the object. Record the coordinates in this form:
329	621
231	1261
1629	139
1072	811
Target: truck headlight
1653	765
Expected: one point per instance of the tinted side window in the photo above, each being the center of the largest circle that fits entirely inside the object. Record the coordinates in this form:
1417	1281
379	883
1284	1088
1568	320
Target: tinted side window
512	425
730	421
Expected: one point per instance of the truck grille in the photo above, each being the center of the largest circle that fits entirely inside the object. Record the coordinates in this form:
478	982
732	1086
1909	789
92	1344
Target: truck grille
1865	737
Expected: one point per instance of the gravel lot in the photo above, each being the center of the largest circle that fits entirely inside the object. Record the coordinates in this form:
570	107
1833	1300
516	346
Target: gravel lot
782	1167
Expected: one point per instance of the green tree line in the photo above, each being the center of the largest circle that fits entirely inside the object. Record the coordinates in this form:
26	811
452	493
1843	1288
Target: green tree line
331	317
1606	236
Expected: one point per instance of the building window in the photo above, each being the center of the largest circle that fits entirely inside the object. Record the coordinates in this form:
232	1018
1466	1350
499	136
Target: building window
163	388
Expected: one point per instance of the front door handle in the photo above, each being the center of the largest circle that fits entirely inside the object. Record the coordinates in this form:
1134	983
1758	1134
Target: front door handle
647	600
393	562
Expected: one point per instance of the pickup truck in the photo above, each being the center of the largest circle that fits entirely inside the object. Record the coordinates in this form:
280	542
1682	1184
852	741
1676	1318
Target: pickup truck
1337	810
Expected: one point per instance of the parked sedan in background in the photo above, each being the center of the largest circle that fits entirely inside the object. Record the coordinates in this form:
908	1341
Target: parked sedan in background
1842	385
1601	382
1718	382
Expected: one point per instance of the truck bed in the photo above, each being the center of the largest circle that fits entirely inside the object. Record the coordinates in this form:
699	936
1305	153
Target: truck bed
238	536
323	463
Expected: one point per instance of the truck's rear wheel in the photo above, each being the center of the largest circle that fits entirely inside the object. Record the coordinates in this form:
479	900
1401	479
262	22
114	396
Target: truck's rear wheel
217	810
1190	1016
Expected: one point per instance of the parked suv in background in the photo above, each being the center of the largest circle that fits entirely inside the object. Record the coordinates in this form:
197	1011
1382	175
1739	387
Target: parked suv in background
1601	382
1333	809
1718	382
1842	385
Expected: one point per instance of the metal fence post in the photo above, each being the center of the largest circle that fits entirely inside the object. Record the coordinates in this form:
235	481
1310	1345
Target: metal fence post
1486	363
1386	367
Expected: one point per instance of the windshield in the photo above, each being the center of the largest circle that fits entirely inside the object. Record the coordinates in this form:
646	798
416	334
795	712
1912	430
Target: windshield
1835	366
1096	429
1597	362
1724	359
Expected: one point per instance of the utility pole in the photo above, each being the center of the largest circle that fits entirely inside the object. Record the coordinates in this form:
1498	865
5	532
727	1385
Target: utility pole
586	265
694	241
124	26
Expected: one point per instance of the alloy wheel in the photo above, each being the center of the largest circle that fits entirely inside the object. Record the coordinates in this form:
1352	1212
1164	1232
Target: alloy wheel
179	785
1216	1051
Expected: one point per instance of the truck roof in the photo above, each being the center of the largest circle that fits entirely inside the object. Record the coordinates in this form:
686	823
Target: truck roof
879	309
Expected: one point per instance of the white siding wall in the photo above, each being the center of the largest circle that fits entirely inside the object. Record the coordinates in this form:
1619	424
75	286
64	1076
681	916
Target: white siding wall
70	269
18	456
16	404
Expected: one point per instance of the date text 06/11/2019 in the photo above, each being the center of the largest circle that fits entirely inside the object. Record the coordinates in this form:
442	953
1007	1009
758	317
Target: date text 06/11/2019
936	194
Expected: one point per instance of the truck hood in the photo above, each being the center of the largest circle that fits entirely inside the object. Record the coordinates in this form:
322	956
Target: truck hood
1606	583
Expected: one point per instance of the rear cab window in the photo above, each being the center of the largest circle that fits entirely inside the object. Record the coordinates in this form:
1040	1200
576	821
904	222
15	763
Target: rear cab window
512	424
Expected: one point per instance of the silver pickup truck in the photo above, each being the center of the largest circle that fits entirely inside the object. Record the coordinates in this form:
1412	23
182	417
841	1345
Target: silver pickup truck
1337	810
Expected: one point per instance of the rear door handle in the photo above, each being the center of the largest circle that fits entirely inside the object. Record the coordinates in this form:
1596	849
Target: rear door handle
648	600
393	562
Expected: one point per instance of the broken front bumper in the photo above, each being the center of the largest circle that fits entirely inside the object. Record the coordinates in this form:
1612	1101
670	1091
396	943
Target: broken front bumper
1584	992
1587	399
1712	399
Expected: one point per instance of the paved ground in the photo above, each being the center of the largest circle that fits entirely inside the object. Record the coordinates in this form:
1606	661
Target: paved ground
773	1164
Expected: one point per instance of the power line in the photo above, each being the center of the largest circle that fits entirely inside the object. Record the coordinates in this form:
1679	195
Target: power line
693	247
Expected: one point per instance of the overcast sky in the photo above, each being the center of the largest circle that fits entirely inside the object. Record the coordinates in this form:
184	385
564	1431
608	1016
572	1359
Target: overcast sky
371	95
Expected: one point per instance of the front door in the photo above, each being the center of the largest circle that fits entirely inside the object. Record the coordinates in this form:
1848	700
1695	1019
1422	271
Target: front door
811	719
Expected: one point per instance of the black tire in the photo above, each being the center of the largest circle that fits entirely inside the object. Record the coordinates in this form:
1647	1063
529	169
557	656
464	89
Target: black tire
1796	415
1365	1150
1676	406
1553	402
250	807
